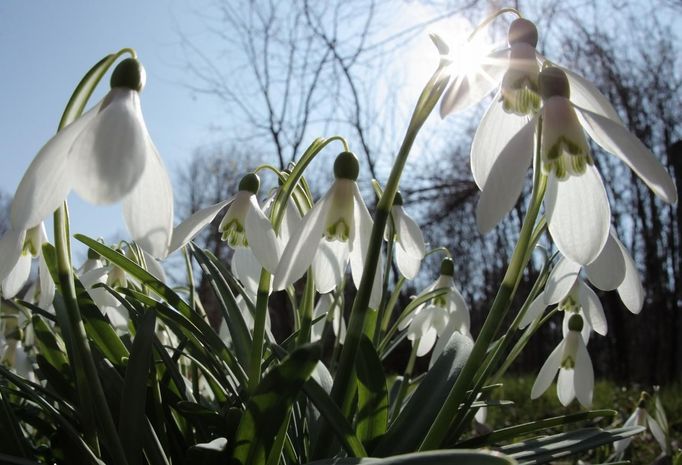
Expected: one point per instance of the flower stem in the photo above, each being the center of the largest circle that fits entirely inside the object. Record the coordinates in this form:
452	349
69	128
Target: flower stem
259	330
439	429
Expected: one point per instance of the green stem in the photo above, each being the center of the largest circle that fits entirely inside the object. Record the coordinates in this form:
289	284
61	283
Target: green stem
343	390
307	304
501	304
259	330
407	376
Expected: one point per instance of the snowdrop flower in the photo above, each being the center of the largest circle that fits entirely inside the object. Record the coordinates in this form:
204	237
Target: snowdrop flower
105	156
15	356
243	226
16	252
613	269
571	359
641	417
439	317
576	204
109	305
514	69
410	248
342	219
334	315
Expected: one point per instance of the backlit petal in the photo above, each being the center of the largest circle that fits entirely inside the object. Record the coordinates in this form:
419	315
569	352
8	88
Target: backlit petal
148	208
578	215
11	244
593	308
247	269
17	277
616	139
561	280
584	375
359	246
608	270
407	265
107	158
410	236
586	95
631	291
261	236
506	179
185	231
47	287
565	386
329	265
535	310
657	432
547	372
299	252
494	131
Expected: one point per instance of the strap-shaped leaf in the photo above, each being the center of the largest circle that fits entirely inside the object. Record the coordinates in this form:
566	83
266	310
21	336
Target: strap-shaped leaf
438	457
372	415
407	431
549	448
270	404
133	399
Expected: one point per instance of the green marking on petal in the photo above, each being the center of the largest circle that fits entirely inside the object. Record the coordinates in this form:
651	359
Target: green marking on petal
568	363
339	231
234	234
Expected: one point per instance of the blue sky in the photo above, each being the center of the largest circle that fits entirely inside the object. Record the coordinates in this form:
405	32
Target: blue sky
46	47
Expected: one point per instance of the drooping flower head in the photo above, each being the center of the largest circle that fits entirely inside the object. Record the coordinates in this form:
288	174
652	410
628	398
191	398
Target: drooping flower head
642	417
571	359
334	232
105	156
519	90
410	247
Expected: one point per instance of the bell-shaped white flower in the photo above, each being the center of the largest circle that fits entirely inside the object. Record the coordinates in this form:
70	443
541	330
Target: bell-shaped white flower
410	248
641	417
571	359
342	219
613	269
105	156
576	204
432	323
16	252
243	226
333	312
109	305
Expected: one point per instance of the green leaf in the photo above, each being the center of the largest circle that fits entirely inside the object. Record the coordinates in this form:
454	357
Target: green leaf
437	457
547	449
241	338
134	395
532	427
372	415
12	441
270	404
410	427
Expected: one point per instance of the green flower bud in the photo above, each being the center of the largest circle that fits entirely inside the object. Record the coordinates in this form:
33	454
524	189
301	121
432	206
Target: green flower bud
250	183
347	166
575	323
553	82
523	31
447	267
129	73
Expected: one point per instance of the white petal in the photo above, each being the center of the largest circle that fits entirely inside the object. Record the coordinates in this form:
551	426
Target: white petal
426	342
547	372
247	268
16	278
323	305
407	265
615	138
261	236
359	246
47	287
535	310
631	291
154	267
561	280
329	265
586	95
292	218
593	308
11	246
578	215
584	375
469	89
507	176
107	158
657	432
459	311
494	131
148	208
299	252
410	236
620	446
47	180
565	386
608	270
185	231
